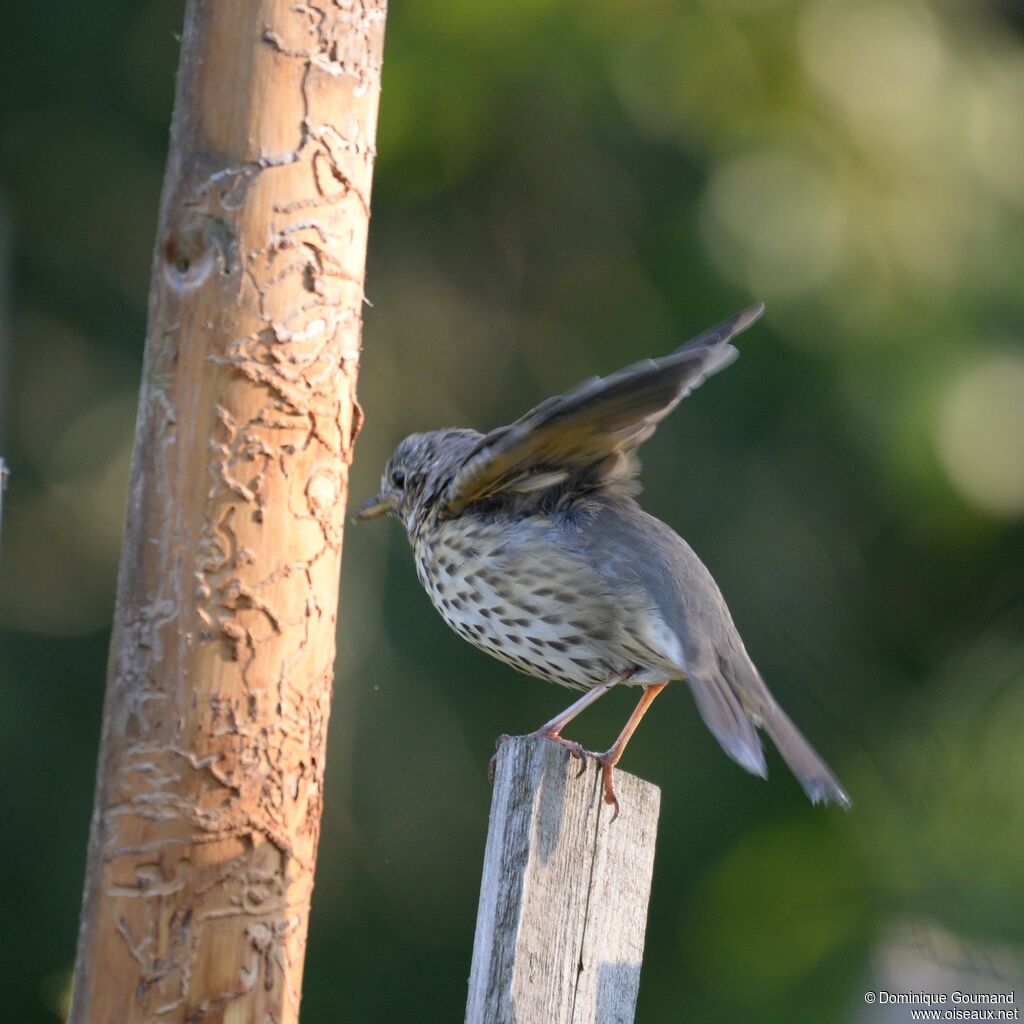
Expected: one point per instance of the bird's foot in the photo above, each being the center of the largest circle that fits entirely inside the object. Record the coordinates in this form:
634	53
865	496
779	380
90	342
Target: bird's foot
607	762
574	748
493	763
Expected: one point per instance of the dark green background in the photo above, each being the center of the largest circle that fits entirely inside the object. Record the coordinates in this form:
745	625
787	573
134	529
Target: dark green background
562	188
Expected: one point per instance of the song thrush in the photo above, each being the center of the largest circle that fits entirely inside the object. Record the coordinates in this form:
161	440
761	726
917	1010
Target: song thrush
531	546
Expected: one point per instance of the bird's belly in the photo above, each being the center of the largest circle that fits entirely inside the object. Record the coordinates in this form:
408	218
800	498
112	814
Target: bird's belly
537	611
523	611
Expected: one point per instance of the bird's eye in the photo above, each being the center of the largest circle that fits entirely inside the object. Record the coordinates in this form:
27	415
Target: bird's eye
398	478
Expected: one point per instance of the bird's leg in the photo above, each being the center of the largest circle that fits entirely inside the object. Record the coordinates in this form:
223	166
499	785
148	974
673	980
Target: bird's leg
552	730
610	758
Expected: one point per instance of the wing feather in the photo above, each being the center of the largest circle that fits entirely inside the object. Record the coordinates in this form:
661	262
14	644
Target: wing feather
590	432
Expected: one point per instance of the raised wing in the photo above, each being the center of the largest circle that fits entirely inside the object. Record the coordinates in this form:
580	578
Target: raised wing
589	432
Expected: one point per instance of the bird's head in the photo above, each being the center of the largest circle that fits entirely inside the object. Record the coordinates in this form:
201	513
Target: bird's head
417	474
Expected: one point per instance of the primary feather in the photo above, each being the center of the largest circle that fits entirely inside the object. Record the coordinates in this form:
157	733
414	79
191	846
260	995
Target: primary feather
589	433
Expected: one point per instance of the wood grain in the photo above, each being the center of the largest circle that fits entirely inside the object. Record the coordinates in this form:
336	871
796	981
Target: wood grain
564	894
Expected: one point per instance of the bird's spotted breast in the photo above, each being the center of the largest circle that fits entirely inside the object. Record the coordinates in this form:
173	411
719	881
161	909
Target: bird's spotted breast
520	600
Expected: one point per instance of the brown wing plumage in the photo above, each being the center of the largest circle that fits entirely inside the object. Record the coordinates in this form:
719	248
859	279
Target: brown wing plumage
590	431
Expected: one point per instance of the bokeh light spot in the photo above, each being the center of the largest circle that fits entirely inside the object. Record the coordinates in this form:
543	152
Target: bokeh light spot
880	62
980	436
773	222
994	99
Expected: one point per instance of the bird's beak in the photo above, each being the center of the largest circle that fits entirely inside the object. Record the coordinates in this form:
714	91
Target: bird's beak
376	506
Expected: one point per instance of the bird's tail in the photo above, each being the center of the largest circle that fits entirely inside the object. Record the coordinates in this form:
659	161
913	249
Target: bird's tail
804	761
731	719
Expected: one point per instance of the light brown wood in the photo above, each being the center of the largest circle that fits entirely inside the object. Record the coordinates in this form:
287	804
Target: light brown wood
564	894
209	786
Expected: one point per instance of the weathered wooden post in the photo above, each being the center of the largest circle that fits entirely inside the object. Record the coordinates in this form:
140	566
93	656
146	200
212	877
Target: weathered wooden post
209	784
563	900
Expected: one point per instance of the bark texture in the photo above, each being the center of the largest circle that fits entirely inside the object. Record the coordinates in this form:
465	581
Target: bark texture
209	787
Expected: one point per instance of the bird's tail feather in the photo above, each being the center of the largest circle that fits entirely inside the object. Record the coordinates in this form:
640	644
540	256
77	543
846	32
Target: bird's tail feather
804	761
723	714
733	726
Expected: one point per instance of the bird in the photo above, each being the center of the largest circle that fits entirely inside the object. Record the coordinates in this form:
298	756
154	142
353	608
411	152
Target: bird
531	544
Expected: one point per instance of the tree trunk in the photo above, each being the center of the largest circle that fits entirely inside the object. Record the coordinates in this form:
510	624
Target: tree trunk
209	785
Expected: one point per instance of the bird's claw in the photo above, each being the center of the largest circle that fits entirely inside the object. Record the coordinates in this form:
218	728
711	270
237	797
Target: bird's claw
492	765
577	751
606	762
574	748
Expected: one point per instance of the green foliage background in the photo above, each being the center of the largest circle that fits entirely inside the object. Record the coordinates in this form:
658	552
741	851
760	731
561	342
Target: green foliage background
564	187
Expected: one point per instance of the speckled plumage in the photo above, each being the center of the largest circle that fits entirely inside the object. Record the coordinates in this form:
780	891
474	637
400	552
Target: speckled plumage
530	544
521	590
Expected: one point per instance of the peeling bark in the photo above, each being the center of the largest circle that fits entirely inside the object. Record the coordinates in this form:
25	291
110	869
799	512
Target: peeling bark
209	785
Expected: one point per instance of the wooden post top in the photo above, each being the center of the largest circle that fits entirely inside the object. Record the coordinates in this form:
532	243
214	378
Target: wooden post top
564	894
